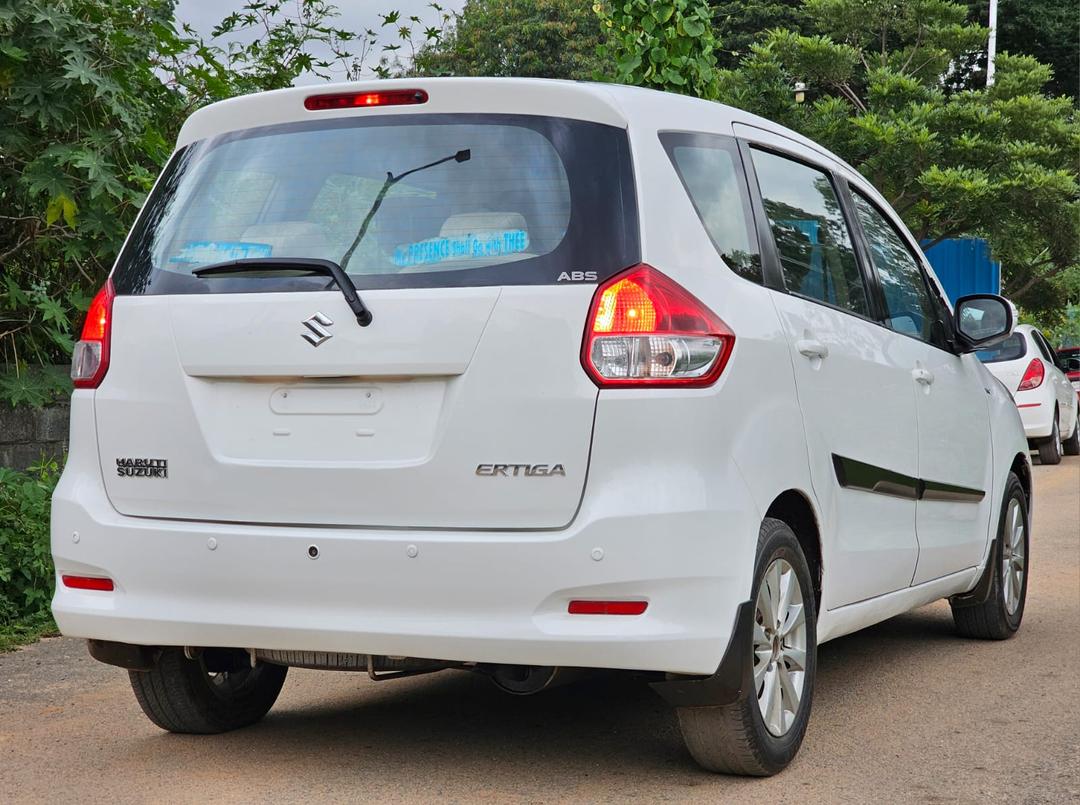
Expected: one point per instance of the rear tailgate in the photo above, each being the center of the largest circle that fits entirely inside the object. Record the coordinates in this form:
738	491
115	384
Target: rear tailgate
383	426
258	398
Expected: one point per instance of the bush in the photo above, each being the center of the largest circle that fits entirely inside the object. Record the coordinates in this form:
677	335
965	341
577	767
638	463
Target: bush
26	567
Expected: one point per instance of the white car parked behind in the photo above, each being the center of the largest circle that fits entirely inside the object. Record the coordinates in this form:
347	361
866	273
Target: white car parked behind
513	375
1028	367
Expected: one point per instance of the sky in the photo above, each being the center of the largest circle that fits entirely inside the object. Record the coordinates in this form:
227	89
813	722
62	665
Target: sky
356	15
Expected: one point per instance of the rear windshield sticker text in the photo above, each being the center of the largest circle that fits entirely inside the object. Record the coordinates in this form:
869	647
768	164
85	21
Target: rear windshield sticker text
201	252
461	247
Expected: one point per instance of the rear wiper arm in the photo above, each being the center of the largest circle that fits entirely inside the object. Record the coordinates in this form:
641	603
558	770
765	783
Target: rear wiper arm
328	268
463	155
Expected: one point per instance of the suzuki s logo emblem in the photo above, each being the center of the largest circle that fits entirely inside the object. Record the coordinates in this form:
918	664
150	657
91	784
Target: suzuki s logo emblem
317	332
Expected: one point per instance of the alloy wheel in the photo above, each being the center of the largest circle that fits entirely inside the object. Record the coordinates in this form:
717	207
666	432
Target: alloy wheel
779	647
1013	556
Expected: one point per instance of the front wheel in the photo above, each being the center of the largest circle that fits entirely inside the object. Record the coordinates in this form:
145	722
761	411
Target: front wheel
999	615
760	733
180	695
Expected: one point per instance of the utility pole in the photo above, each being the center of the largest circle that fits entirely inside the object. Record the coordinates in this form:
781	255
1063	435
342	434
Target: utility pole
991	47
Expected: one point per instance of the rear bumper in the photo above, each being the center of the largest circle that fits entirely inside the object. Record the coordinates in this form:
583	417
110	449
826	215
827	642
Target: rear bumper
1036	414
498	597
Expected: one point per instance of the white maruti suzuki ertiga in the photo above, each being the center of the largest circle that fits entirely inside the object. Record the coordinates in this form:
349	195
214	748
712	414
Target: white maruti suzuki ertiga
516	376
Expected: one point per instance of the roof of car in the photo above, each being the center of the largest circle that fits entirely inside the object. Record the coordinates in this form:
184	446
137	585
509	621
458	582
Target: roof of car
613	104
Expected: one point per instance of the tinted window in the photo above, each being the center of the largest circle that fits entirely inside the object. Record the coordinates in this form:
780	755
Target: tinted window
909	307
811	235
710	170
1044	347
1012	348
415	201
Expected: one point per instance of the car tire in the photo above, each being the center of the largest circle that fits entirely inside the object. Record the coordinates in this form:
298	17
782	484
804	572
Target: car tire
1050	450
179	695
1071	446
736	738
999	615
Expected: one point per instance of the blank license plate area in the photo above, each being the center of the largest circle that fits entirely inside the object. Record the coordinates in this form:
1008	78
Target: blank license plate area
319	422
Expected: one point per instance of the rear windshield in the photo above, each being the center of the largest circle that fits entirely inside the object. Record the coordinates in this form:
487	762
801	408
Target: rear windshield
1011	349
401	201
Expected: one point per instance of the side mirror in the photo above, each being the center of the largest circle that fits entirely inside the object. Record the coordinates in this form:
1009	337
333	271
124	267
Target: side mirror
982	320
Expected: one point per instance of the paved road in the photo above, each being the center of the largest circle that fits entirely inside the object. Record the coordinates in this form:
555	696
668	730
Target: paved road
905	711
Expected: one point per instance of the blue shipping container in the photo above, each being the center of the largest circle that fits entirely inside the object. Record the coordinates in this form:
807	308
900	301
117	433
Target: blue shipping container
964	266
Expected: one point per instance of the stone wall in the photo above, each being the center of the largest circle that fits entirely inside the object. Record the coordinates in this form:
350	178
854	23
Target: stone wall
26	434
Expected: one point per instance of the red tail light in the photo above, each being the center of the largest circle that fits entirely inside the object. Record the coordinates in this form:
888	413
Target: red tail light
1033	376
352	100
644	329
90	360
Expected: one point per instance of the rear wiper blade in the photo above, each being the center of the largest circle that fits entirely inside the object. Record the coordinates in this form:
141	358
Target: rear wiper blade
328	268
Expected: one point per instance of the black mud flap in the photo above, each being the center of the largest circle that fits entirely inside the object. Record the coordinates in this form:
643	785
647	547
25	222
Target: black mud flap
732	678
980	593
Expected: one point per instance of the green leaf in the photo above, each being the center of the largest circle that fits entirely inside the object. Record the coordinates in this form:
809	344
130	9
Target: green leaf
693	27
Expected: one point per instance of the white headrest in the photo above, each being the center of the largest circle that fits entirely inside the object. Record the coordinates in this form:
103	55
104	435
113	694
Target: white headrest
477	223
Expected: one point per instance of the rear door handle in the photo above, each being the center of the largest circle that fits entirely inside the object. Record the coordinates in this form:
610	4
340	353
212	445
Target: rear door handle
923	376
811	348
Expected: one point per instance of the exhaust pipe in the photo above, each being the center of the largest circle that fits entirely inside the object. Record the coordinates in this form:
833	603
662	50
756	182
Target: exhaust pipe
525	680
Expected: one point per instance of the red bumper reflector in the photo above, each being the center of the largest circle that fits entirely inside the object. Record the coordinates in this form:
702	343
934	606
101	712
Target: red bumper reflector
352	100
1029	405
88	583
607	607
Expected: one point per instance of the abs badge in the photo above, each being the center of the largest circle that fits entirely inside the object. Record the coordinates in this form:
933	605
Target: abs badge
142	467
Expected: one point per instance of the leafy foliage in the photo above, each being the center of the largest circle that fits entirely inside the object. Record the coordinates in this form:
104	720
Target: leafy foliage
81	124
739	23
92	94
952	158
1049	30
34	386
268	44
536	38
667	46
26	568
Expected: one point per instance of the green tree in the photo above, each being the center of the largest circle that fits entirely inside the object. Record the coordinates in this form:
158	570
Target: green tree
92	93
535	38
81	134
1049	30
740	23
997	162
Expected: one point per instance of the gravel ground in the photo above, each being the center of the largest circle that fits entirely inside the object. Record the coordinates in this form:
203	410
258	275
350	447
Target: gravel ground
905	711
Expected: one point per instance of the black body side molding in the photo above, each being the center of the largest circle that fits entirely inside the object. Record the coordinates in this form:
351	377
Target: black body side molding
852	474
732	678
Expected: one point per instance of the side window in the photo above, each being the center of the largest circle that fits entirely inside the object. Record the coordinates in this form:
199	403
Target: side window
1044	348
709	167
909	305
811	235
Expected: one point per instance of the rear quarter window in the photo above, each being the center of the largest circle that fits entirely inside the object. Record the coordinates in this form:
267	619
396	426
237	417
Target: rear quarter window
1012	348
710	169
526	200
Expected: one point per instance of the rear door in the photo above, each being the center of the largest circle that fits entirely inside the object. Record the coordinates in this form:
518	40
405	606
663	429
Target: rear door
462	405
853	378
